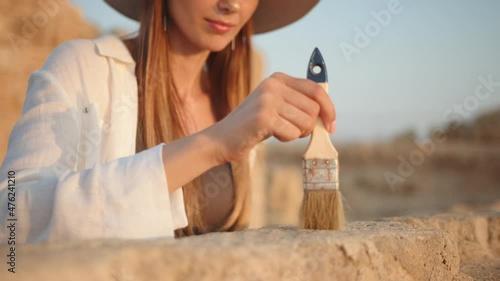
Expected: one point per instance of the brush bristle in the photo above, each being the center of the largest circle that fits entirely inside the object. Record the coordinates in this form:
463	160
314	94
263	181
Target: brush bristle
322	210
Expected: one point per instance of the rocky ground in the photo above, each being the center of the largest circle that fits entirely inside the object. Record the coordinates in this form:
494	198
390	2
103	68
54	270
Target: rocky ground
442	247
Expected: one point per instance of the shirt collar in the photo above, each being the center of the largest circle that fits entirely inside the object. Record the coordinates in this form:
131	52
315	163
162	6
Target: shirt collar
110	45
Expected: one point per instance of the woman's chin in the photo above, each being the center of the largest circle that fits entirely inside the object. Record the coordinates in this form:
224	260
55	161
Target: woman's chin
214	45
217	47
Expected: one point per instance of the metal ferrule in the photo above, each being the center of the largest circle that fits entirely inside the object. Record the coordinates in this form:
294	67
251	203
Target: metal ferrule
320	173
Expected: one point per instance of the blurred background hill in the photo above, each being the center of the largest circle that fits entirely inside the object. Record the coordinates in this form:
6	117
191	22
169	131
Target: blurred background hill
485	129
459	170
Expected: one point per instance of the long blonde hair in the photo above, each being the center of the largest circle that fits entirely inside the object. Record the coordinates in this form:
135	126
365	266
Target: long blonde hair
159	118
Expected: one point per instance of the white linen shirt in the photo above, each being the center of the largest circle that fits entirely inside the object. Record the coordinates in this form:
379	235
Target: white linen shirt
73	153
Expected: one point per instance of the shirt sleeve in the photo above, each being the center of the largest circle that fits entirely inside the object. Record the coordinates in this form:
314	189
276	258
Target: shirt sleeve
124	198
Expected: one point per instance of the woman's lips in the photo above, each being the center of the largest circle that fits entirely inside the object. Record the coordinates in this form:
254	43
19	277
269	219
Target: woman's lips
219	26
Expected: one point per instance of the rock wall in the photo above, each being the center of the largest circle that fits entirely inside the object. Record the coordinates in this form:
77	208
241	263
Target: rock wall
406	248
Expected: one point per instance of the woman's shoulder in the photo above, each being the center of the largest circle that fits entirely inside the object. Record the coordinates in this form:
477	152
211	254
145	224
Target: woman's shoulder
86	54
70	55
82	66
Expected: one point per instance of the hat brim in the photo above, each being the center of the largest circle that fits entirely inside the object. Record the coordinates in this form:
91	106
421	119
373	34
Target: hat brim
269	15
273	14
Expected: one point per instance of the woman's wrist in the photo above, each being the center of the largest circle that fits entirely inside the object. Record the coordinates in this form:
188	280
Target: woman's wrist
189	157
215	146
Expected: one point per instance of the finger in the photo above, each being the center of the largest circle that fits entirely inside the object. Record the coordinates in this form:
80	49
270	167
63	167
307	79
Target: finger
297	117
283	129
312	90
302	102
333	128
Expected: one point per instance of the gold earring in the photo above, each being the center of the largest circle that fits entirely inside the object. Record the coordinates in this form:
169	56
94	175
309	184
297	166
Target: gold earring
164	12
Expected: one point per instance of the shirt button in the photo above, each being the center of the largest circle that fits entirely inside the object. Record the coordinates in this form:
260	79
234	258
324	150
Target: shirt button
85	110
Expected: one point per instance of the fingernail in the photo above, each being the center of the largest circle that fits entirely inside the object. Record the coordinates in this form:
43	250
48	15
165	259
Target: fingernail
327	127
331	127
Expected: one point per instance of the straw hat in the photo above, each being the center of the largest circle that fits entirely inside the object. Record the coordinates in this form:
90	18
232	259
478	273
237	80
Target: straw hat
270	14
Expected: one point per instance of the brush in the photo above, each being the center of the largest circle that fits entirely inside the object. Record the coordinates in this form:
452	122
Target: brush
322	202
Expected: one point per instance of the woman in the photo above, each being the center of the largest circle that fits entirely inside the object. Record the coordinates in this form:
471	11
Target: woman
149	136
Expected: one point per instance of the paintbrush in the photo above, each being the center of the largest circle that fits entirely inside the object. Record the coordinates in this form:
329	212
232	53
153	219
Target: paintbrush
322	202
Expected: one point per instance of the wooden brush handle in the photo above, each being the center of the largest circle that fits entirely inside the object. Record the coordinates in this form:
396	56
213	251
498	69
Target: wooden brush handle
320	145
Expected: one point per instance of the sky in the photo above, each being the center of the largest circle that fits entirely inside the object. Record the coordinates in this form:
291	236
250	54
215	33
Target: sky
392	65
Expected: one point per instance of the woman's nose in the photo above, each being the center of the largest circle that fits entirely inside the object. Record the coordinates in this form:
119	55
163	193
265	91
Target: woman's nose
228	6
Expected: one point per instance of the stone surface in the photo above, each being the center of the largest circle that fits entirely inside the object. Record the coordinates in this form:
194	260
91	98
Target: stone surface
392	249
477	236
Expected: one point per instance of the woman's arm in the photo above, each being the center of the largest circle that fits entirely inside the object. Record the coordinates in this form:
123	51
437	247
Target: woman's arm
281	106
55	199
190	156
137	196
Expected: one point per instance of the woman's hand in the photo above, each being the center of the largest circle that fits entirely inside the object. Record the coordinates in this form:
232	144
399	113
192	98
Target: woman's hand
281	106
